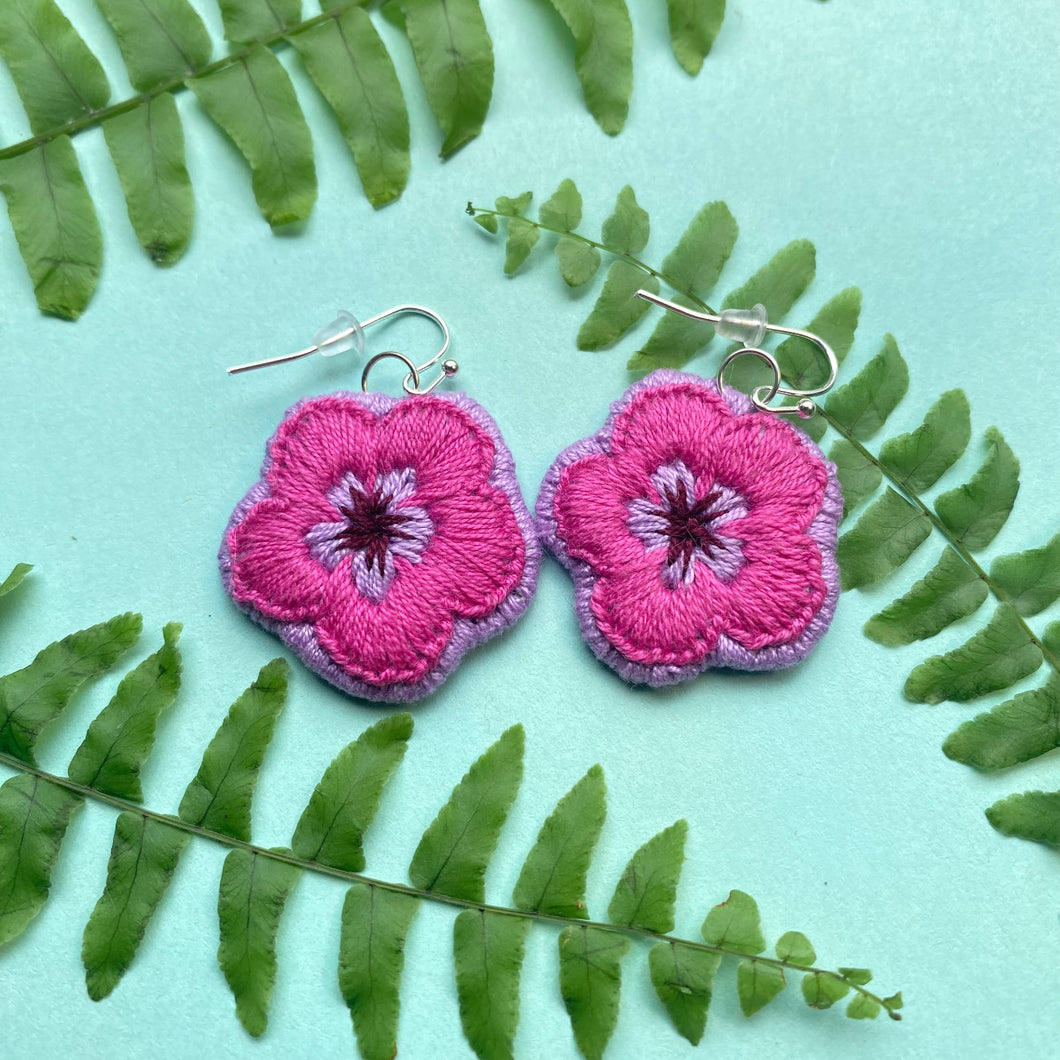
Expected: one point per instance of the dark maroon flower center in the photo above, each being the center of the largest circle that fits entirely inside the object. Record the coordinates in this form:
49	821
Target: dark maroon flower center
688	524
371	525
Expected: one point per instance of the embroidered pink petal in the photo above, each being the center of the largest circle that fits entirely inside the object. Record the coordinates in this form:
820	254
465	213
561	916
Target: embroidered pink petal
449	451
271	565
319	442
777	592
781	479
477	557
591	510
699	532
385	539
667	423
397	641
651	624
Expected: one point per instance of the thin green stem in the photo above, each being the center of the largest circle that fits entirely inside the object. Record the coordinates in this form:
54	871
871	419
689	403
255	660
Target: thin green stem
472	210
414	892
96	117
896	481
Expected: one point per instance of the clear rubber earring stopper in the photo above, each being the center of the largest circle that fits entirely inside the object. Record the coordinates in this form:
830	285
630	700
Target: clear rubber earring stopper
342	334
747	326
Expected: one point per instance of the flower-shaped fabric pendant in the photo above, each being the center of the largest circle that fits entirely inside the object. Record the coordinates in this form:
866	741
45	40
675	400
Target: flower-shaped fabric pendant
385	538
699	532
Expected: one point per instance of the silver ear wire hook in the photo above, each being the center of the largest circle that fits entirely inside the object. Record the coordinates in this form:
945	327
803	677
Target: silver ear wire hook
345	332
749	326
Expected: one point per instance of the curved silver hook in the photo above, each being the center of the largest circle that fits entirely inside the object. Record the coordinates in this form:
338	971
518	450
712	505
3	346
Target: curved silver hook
411	383
345	333
750	327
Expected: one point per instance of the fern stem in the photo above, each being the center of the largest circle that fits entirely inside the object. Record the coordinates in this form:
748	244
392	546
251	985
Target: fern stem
175	84
896	481
703	307
126	805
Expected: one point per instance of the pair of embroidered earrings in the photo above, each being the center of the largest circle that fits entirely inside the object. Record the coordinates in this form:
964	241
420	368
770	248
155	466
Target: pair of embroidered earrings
387	536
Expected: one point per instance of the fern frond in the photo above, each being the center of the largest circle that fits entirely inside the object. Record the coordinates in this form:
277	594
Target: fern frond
347	61
449	866
590	982
1032	815
452	856
454	55
1021	728
55	225
247	92
375	923
1030	580
34	816
488	951
33	698
603	56
119	740
897	520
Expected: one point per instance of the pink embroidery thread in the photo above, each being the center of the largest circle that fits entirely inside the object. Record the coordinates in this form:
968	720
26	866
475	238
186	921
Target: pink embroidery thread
385	538
699	532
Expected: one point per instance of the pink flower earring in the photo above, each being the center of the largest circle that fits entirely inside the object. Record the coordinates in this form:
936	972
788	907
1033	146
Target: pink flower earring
698	526
386	536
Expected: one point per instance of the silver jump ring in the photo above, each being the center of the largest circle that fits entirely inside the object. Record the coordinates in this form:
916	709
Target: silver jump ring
413	372
759	402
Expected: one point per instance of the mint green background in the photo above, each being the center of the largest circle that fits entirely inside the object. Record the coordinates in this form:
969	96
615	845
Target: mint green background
917	146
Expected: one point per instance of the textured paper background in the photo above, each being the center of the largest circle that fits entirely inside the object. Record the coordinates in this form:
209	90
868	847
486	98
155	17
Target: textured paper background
917	146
